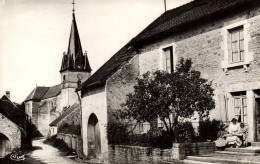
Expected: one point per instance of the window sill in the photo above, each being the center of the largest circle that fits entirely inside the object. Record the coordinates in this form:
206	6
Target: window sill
226	66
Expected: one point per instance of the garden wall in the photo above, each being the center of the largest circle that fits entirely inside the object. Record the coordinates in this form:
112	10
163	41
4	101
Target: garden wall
73	141
137	154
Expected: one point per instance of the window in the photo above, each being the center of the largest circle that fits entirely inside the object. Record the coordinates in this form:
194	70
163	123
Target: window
236	47
168	55
240	106
235	44
141	127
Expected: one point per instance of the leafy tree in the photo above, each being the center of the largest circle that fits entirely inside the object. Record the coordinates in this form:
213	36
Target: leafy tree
160	94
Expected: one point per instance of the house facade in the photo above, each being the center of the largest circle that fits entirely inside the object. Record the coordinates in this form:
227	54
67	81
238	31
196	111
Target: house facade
14	127
45	104
221	37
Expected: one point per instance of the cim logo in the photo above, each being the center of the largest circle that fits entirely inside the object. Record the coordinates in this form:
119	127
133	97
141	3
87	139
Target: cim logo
17	157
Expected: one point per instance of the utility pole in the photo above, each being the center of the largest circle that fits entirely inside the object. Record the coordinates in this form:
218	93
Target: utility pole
165	5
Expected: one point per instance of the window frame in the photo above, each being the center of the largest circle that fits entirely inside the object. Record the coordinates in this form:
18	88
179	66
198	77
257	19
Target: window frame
173	56
225	46
237	30
242	107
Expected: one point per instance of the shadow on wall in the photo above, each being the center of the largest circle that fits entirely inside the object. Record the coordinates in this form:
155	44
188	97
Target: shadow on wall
94	142
5	146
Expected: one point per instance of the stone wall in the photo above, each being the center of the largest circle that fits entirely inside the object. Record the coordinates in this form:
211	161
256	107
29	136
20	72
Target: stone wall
137	154
205	43
94	102
120	84
44	118
71	140
73	120
11	131
181	150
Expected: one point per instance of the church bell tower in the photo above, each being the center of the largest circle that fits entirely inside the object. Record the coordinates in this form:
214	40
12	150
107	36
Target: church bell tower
75	65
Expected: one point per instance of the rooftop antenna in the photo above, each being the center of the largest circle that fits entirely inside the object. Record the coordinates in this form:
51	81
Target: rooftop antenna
164	5
73	3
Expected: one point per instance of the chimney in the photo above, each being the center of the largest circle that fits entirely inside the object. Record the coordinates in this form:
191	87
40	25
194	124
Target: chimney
7	93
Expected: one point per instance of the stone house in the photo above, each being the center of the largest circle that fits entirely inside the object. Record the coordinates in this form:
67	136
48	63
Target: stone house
14	127
45	104
221	37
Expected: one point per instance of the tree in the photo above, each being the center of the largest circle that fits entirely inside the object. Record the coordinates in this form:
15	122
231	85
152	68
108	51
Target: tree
160	94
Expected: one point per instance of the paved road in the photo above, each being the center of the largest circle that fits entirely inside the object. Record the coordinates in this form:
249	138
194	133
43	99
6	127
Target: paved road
42	154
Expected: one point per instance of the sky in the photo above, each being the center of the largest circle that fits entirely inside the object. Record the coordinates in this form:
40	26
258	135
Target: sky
35	33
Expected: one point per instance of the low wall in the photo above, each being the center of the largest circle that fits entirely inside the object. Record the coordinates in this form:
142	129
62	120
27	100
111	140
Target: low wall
180	150
73	141
137	154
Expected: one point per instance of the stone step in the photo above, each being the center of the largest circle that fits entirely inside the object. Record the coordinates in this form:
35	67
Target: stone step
255	144
236	153
186	161
219	160
250	149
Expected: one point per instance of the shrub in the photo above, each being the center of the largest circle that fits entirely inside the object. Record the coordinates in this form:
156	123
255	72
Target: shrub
69	129
209	129
117	133
185	132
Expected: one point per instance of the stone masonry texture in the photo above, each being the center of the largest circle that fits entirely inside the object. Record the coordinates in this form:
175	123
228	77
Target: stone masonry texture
11	131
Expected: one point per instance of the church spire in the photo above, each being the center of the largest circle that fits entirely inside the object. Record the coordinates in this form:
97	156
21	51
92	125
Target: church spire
75	59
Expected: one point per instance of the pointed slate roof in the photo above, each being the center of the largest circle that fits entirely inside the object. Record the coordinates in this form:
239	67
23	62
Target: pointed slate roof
75	59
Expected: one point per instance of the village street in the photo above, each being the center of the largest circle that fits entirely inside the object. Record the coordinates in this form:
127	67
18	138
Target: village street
42	154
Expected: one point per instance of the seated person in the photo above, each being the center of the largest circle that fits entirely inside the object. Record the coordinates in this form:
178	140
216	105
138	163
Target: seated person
233	136
243	130
234	127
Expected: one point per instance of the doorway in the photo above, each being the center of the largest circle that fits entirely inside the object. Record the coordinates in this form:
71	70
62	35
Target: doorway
257	118
5	146
93	135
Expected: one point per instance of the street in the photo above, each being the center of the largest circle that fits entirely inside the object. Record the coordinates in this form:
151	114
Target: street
41	154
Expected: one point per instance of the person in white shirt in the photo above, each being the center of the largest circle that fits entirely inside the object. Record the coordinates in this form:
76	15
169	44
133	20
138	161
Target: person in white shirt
234	129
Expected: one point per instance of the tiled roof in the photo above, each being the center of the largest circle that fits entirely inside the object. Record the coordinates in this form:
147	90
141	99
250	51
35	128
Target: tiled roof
111	66
168	21
191	12
67	112
12	112
52	91
37	93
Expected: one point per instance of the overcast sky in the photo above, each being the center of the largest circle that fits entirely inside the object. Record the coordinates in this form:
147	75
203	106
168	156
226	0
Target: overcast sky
35	33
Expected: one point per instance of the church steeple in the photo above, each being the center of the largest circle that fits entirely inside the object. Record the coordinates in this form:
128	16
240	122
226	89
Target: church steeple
75	59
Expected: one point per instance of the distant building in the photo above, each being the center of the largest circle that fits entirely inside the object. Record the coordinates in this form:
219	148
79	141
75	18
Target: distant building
14	127
45	104
221	37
